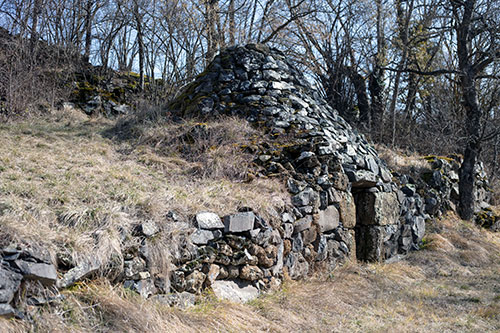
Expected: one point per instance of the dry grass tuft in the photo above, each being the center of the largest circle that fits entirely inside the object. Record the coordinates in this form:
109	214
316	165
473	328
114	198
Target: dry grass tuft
403	162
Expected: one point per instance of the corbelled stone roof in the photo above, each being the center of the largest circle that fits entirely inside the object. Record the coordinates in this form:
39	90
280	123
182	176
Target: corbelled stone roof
260	84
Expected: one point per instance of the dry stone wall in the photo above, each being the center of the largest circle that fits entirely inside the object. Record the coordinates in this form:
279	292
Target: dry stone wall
344	200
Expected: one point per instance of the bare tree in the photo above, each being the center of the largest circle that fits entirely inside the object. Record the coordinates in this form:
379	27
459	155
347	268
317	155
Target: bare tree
478	38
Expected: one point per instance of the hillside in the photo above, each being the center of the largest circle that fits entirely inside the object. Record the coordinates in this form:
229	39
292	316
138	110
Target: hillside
247	187
63	181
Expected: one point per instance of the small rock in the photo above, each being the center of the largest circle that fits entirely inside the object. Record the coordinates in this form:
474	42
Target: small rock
328	219
288	230
45	273
145	288
181	300
239	222
149	229
194	282
305	198
9	283
209	221
7	311
309	235
295	186
270	75
213	273
79	273
133	267
297	266
235	291
202	237
251	273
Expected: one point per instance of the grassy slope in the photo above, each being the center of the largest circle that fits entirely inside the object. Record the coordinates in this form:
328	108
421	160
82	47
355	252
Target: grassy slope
63	181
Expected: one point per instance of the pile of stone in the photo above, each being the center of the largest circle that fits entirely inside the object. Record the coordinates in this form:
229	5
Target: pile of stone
241	246
440	186
108	94
20	265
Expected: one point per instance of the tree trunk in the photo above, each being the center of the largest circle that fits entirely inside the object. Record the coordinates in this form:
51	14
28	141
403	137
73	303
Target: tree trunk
37	9
360	88
210	18
403	20
473	113
140	43
232	25
88	29
376	84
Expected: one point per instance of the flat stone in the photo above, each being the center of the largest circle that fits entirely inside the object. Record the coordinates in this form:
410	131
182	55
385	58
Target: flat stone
45	273
239	222
371	163
386	175
380	208
298	102
270	75
362	178
280	86
328	219
209	221
202	237
79	273
234	290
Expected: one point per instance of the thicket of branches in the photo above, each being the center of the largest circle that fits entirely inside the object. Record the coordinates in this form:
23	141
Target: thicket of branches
416	74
